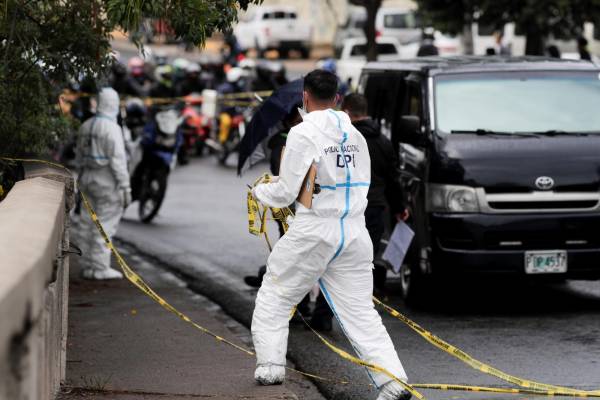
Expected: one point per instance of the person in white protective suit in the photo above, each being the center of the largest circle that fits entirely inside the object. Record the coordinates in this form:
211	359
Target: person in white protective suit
103	177
327	243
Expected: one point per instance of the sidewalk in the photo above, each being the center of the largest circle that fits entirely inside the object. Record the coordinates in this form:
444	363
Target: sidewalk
124	346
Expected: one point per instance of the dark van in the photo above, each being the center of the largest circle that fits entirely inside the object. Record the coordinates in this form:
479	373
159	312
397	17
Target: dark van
500	160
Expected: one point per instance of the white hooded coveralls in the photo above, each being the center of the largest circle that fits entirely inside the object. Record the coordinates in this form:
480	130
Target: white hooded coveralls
328	243
102	165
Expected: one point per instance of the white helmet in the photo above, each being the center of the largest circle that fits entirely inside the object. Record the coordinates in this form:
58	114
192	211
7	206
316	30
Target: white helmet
193	68
235	74
167	121
247	63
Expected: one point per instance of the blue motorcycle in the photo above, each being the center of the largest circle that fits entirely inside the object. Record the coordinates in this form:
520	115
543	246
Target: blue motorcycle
160	142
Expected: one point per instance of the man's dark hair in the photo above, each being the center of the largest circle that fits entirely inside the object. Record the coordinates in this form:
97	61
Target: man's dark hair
321	84
356	105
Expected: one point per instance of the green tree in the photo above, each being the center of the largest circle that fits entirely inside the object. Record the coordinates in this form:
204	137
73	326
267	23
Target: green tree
537	19
45	44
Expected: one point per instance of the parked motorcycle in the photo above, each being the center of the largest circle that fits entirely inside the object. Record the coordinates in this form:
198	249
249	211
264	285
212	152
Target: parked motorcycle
231	131
195	127
161	141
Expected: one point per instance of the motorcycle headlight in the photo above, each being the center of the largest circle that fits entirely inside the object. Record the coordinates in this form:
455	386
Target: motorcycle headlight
452	199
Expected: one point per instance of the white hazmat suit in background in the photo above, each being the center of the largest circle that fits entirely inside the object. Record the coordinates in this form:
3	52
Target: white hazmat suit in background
102	166
328	244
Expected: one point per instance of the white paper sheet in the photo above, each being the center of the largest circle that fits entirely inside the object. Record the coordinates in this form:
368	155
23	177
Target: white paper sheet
398	245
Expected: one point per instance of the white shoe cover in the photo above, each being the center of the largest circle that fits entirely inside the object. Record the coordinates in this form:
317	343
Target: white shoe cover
269	374
100	275
393	391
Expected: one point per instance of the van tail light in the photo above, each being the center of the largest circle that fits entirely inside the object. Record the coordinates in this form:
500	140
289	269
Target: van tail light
448	49
377	34
267	32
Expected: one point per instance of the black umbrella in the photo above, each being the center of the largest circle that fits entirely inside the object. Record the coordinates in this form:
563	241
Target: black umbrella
281	102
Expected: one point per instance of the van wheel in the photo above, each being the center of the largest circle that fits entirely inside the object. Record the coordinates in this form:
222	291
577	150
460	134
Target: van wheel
305	53
414	284
284	53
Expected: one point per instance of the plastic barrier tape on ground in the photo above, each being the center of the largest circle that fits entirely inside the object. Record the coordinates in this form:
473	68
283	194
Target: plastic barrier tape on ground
480	366
528	386
137	281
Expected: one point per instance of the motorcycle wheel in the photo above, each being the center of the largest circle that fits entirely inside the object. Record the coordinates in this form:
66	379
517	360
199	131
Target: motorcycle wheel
154	187
230	146
200	148
182	156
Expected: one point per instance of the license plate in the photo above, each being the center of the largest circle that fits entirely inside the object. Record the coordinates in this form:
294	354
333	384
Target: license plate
546	262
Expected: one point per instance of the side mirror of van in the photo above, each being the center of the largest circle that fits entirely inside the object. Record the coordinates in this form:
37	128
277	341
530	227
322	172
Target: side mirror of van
410	128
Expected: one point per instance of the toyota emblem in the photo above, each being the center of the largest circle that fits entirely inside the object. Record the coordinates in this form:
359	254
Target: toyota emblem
544	183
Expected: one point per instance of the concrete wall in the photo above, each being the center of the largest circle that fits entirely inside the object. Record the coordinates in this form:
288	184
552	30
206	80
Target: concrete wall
34	285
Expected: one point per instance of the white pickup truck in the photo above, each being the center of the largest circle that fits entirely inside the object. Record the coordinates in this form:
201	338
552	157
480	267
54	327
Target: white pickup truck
354	57
274	28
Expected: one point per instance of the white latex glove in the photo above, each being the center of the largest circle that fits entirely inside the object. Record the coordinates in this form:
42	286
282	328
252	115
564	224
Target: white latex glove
125	196
273	180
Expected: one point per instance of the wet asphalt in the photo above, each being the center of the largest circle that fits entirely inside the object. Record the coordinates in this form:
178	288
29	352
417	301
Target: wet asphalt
541	331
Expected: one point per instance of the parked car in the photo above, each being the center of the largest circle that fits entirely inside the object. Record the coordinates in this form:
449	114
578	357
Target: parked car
446	44
354	56
402	23
353	27
500	161
274	28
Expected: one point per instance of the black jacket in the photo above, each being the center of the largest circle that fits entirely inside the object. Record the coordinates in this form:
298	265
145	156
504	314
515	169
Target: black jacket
385	172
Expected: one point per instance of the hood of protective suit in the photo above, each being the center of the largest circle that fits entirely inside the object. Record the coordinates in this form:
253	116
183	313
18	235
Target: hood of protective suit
108	103
340	153
327	122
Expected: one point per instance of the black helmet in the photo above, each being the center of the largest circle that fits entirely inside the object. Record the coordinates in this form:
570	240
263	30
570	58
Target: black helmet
135	113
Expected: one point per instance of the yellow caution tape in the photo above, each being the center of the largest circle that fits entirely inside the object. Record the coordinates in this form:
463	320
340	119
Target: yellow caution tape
246	95
355	360
252	212
143	286
484	389
282	215
127	271
233	99
530	387
138	282
478	365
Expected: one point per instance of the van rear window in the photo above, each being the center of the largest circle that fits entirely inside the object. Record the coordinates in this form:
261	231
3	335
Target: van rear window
400	21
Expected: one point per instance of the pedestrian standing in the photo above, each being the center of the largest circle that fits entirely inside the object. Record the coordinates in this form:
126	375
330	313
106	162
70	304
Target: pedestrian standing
103	177
385	189
327	243
501	48
582	48
321	317
428	47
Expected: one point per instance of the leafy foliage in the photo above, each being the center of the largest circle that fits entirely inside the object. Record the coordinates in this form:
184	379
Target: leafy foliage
538	19
192	20
45	44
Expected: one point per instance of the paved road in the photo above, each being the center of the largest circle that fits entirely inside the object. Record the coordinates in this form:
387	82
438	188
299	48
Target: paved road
546	332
